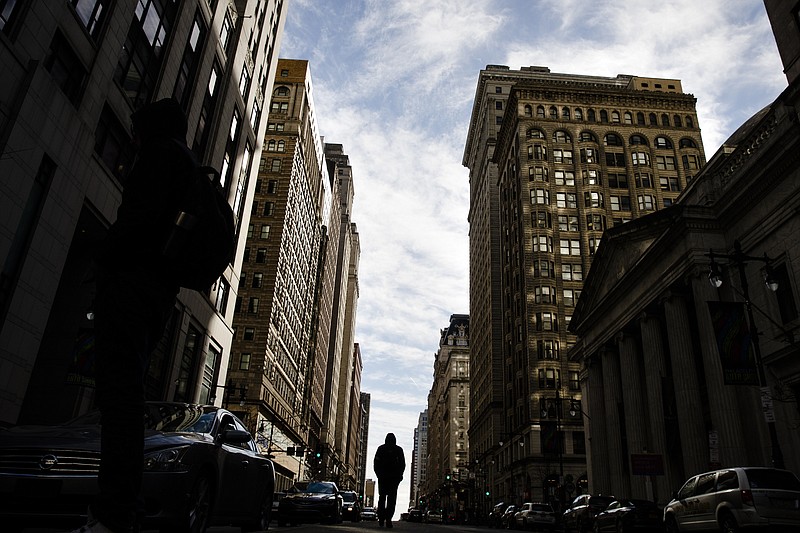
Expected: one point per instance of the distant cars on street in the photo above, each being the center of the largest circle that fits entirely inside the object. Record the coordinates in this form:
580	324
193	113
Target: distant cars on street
201	467
316	501
507	520
580	515
535	516
368	513
351	508
496	514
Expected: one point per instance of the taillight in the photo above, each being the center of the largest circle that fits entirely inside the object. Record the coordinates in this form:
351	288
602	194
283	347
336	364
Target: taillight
747	498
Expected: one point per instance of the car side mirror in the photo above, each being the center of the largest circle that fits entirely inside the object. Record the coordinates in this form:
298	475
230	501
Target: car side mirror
234	436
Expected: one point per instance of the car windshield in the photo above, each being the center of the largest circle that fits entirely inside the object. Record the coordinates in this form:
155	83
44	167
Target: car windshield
167	417
321	488
349	496
600	502
542	508
772	479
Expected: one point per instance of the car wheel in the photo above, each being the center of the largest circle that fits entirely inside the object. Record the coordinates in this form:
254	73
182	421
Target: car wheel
198	511
671	525
261	523
727	523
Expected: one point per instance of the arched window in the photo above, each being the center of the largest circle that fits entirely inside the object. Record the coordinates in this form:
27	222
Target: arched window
561	136
663	142
640	118
638	139
591	116
588	136
687	143
689	122
628	118
528	111
578	113
281	146
615	117
271	145
653	119
677	121
565	113
553	112
540	111
665	119
603	116
612	139
282	91
534	133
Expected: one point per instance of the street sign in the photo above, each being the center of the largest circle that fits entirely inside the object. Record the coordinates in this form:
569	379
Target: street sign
647	464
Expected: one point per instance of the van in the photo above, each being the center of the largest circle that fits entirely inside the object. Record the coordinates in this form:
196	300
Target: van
733	498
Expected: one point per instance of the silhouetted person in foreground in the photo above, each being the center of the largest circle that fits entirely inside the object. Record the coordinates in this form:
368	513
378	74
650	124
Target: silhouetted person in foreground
389	465
133	301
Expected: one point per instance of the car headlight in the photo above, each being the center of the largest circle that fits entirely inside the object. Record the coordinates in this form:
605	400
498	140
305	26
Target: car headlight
168	460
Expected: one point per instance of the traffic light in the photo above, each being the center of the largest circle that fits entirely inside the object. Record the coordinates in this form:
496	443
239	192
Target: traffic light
318	455
488	493
447	475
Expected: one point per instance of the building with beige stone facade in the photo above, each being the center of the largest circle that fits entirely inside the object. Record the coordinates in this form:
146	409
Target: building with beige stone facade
555	160
73	72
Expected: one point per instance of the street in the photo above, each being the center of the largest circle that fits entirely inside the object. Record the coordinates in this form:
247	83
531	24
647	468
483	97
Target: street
340	528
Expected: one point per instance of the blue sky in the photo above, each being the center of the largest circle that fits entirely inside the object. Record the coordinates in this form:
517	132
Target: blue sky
394	82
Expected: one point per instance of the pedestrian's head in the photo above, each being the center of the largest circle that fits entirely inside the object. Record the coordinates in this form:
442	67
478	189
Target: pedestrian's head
391	439
163	118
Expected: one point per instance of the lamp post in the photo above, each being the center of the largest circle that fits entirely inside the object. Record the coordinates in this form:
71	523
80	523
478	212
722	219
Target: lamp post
715	278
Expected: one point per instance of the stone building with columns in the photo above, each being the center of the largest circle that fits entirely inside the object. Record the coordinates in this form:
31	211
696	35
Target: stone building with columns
661	402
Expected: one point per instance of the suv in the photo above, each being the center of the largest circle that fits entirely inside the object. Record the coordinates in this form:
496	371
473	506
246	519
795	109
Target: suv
535	515
580	515
736	497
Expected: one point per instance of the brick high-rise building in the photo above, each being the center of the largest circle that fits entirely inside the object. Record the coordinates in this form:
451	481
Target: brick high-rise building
73	72
554	160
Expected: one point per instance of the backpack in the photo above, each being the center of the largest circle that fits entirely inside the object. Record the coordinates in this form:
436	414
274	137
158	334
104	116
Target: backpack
200	243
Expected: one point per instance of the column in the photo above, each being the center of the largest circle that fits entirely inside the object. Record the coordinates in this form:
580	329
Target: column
655	370
599	474
694	437
726	418
612	395
634	402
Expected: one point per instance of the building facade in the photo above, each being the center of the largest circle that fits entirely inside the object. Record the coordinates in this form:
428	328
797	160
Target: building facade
447	468
363	437
666	291
555	160
419	465
73	72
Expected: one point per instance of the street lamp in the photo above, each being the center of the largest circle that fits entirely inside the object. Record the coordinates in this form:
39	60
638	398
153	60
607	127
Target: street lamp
715	278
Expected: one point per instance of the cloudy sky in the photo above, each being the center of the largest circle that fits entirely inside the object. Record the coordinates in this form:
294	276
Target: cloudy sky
394	82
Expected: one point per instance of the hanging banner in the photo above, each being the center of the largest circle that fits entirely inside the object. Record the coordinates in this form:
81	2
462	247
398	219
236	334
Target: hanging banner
734	343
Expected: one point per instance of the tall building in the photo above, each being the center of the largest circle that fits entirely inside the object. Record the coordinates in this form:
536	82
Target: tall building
419	463
555	160
448	421
275	311
363	437
702	300
73	72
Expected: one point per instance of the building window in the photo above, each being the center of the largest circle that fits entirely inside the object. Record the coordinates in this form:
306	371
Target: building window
591	177
258	279
538	174
244	82
244	362
646	202
662	143
665	162
261	255
544	294
112	144
588	155
570	247
225	32
593	199
140	61
571	272
269	209
578	443
638	140
264	231
567	223
640	159
549	378
541	219
272	186
690	162
665	119
249	334
578	113
574	381
276	164
644	180
621	203
540	197
547	349
595	222
618	181
206	111
591	116
604	116
542	243
553	112
561	136
612	140
92	14
546	321
65	68
540	111
543	268
566	200
614	159
190	62
537	152
498	89
562	156
221	296
252	305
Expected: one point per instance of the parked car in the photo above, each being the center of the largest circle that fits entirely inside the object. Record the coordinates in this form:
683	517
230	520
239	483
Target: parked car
201	467
351	508
434	516
368	513
414	515
496	515
535	516
629	515
276	499
580	515
734	498
507	520
317	501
